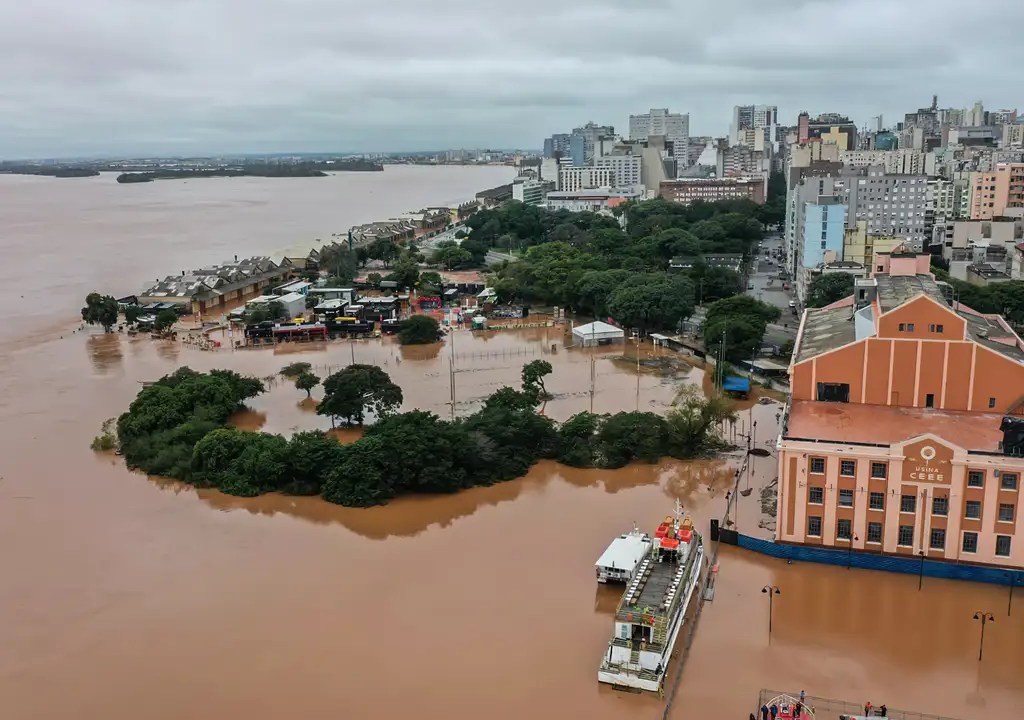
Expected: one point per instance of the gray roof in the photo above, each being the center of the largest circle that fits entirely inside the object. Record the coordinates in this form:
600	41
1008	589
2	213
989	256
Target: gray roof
828	329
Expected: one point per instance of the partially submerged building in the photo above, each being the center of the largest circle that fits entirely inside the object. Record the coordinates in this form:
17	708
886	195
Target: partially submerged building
905	431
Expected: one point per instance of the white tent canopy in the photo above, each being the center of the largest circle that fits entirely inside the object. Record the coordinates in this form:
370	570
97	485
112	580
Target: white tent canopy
597	333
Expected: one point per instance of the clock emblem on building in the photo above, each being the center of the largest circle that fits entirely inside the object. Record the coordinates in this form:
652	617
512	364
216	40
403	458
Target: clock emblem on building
927	452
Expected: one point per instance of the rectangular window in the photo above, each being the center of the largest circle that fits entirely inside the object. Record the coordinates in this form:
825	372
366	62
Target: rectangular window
975	478
972	509
910	327
906	536
874	532
940	506
929	400
1003	545
938	539
970	543
879	470
814	525
1008	481
833	392
818	466
846	498
844	529
903	327
1005	512
991	402
877	501
816	495
908	503
847	468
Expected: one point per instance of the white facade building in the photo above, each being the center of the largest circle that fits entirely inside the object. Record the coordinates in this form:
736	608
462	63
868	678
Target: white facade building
598	200
626	170
762	118
573	178
905	161
659	121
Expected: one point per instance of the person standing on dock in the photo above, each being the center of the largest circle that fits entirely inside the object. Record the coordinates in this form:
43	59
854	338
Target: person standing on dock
867	708
803	697
774	710
764	712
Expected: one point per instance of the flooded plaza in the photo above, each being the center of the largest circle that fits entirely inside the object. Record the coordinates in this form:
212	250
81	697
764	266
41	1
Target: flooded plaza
128	597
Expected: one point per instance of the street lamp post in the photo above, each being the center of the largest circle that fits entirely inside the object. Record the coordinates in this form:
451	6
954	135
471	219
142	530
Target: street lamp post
849	553
984	617
771	591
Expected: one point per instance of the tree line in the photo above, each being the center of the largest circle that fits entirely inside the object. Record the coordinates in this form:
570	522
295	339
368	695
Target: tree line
178	428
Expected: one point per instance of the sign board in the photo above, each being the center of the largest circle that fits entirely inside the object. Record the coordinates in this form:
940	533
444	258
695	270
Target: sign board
928	461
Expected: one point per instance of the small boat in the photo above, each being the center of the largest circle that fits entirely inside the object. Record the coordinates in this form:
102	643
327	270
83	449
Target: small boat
653	607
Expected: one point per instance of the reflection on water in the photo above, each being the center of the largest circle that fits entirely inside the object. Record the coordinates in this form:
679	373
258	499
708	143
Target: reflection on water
248	420
104	351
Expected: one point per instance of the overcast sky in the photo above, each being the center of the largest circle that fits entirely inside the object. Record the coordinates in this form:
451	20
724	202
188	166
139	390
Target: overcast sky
88	77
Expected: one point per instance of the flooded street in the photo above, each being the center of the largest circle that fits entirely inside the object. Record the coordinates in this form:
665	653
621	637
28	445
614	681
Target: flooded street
125	597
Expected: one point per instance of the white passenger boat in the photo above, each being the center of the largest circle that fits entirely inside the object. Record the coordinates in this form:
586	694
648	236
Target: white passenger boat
652	610
619	562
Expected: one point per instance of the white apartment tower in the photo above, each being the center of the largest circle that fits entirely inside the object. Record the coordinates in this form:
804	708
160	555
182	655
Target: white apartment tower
659	121
763	119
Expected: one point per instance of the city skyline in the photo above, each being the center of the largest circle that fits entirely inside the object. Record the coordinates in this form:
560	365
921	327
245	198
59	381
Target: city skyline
124	78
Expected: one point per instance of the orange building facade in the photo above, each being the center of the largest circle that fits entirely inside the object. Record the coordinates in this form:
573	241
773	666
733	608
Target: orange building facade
903	434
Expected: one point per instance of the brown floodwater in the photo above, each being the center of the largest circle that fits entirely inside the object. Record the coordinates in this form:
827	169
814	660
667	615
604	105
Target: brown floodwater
126	597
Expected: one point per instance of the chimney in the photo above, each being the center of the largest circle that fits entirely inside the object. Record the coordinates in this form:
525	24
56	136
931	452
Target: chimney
236	258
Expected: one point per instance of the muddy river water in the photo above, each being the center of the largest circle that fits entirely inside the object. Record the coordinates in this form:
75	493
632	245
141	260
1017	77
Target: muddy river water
125	597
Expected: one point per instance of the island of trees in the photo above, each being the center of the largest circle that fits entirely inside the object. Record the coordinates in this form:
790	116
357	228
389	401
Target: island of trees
254	169
178	428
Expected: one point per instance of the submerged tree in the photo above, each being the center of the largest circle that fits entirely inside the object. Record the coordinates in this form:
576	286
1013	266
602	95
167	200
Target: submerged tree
533	377
419	330
100	310
306	381
350	393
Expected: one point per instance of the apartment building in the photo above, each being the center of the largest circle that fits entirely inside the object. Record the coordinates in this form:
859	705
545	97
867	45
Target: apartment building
860	247
625	166
905	161
754	125
905	431
572	178
690	190
675	127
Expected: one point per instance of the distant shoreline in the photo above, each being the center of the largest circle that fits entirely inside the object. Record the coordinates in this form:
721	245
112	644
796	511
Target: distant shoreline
267	170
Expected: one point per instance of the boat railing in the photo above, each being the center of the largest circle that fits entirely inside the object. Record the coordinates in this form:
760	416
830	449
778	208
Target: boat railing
823	708
627	612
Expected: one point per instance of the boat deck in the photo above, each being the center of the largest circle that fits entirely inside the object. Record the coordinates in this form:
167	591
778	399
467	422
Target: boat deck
652	593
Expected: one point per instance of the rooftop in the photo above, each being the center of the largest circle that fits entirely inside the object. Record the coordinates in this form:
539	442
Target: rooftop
832	327
885	425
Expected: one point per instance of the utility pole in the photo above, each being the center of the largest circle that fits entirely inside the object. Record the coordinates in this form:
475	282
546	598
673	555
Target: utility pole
451	369
638	373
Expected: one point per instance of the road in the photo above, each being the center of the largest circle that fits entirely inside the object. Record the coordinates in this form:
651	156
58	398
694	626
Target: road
767	287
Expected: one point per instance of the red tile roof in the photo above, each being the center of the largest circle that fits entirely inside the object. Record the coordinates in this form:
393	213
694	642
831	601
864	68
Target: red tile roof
882	424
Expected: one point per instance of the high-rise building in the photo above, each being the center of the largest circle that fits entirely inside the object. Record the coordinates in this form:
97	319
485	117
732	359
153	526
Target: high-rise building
761	119
659	121
589	135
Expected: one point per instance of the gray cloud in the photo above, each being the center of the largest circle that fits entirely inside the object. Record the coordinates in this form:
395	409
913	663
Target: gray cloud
199	76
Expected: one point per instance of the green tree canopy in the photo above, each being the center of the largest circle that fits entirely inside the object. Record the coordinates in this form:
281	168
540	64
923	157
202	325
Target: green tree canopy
165	320
827	289
350	393
652	301
419	330
132	313
100	310
306	381
534	373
